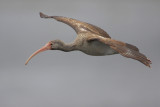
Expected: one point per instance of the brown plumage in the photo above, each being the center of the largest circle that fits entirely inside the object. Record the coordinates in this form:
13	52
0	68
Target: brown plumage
92	40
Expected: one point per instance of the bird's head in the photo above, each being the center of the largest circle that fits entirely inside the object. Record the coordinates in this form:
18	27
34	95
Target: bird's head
56	44
52	45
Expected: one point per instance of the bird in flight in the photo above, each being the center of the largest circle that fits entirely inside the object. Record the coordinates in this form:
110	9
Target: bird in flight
91	40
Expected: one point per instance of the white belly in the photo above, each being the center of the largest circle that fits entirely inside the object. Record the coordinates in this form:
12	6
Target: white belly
97	48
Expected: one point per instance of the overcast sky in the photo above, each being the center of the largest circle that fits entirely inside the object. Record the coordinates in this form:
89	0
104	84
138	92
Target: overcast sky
74	79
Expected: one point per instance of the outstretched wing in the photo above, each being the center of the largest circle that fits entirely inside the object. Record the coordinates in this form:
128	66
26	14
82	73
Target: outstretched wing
79	26
126	50
130	53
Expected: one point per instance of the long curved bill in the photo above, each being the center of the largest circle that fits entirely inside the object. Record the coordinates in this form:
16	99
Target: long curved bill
44	48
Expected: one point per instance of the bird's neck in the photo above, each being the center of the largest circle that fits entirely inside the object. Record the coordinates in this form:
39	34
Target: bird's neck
66	47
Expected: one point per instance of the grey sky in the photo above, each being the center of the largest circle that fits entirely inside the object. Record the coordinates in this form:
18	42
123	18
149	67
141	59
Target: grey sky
74	79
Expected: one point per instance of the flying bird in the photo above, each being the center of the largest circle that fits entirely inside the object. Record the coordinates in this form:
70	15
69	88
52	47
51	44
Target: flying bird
91	40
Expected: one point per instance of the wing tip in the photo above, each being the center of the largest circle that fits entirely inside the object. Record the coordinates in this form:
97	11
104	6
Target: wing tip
42	15
150	62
